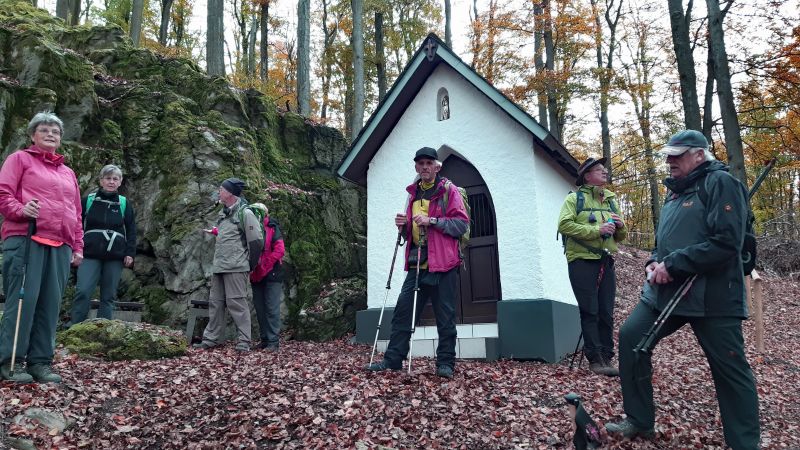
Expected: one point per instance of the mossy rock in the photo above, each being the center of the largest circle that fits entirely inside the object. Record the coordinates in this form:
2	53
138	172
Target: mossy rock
115	340
333	314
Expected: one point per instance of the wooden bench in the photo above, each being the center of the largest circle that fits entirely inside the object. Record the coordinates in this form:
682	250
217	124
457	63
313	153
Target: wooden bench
197	308
125	311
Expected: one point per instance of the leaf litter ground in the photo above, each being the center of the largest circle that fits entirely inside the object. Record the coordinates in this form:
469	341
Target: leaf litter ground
317	395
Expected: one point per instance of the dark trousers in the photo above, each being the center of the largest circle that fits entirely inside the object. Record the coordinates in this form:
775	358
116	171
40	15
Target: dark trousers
267	297
90	272
442	297
721	340
45	280
596	304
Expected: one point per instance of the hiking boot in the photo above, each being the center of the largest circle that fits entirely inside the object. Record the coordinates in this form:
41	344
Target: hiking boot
380	367
611	371
242	347
601	367
18	376
43	373
270	347
629	430
203	346
444	371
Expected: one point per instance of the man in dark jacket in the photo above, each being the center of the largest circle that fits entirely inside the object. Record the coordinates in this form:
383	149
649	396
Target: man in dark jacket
701	233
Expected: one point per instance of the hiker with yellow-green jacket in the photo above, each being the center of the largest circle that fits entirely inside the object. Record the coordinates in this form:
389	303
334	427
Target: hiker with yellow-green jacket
591	225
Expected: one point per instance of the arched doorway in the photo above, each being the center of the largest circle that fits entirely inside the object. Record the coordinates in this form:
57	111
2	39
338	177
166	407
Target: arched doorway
480	274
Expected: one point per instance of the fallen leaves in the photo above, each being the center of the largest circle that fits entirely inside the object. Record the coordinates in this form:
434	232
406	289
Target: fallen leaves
312	395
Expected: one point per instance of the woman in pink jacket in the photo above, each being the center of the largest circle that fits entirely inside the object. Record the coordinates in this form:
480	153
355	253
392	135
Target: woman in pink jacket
37	188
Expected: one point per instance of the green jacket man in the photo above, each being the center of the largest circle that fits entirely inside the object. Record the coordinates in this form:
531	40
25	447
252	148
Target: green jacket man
701	232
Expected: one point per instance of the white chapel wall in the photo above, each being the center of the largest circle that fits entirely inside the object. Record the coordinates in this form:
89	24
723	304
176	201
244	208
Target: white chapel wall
502	151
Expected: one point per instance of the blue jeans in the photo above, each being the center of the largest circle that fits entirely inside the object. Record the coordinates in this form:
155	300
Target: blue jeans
267	297
440	288
90	272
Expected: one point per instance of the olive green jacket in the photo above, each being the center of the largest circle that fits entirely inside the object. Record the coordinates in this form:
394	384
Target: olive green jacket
579	232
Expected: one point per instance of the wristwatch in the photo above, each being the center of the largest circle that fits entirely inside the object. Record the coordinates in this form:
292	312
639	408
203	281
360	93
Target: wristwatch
434	220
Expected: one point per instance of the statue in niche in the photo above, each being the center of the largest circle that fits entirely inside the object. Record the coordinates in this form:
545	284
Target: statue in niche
445	107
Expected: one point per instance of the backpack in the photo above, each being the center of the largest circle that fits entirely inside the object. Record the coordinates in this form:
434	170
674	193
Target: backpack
464	239
748	253
123	202
580	206
258	212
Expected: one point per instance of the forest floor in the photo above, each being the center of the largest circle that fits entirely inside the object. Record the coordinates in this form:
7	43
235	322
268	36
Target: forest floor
312	395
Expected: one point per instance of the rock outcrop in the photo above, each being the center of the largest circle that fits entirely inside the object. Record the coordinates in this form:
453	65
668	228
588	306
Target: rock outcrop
177	133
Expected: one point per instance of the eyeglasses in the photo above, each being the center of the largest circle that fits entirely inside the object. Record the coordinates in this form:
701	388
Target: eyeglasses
45	131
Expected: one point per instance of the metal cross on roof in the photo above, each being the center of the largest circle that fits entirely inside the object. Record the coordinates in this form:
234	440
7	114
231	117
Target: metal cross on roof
430	49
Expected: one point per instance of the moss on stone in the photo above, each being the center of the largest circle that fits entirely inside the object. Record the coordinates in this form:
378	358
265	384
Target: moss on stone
115	340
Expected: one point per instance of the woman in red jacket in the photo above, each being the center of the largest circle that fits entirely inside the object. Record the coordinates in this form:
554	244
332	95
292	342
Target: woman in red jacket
36	187
267	282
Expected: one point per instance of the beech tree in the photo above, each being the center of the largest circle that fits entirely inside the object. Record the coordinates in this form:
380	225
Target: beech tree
215	38
358	68
303	57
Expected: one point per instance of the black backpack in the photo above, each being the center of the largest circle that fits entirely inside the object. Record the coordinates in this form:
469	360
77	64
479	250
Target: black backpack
749	252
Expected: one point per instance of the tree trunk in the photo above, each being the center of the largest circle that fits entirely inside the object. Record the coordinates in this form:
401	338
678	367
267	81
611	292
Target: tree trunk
303	57
215	41
358	68
180	24
727	103
264	45
605	70
62	9
685	59
163	29
75	12
251	48
538	49
476	34
549	65
708	101
328	37
380	58
136	21
448	35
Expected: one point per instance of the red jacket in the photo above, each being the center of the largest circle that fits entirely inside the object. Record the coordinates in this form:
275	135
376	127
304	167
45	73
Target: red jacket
31	173
273	251
443	251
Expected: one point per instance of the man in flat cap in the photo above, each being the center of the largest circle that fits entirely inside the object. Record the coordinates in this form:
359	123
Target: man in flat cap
591	225
236	252
434	220
700	233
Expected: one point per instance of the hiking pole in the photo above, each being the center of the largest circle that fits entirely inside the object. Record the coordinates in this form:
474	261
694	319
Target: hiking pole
577	344
388	288
416	294
644	346
31	227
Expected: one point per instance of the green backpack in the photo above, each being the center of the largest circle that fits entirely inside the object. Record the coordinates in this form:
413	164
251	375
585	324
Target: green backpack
464	239
122	203
258	212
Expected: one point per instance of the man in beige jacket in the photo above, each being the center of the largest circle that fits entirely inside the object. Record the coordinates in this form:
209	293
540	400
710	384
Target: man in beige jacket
238	247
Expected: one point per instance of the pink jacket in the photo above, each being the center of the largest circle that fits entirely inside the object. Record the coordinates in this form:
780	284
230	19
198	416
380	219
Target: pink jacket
443	254
274	250
28	174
